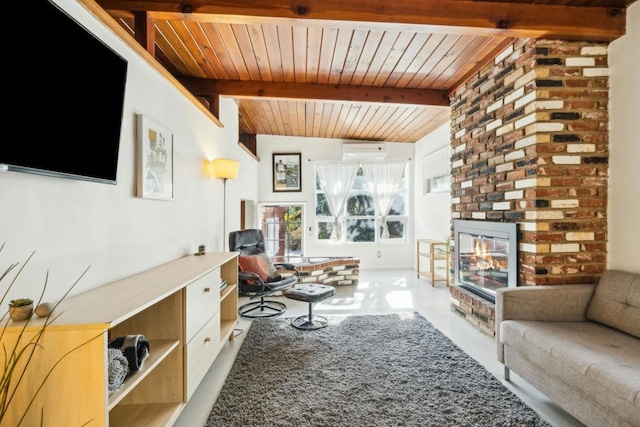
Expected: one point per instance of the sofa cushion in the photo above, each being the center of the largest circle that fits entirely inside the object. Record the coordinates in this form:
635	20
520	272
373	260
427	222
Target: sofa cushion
597	360
616	302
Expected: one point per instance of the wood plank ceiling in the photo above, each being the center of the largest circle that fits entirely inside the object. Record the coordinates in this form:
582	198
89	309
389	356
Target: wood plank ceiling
376	70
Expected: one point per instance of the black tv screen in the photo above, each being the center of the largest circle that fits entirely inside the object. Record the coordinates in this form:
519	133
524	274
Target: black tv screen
66	99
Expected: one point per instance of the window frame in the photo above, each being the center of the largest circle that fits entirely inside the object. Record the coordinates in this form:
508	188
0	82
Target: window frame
343	218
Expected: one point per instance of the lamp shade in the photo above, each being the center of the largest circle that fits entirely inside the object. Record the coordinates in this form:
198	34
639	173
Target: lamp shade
225	168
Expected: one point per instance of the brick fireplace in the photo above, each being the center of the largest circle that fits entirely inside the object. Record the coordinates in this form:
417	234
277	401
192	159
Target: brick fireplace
529	144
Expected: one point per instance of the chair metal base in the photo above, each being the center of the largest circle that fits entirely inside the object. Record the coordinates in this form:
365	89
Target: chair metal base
261	308
309	323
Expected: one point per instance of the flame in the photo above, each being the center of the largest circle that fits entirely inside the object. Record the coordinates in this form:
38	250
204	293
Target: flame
483	258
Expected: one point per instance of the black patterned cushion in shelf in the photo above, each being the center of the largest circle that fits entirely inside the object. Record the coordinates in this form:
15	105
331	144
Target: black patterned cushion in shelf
118	369
134	347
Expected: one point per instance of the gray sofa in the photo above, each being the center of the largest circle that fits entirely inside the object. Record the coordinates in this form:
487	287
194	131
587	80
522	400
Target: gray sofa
577	344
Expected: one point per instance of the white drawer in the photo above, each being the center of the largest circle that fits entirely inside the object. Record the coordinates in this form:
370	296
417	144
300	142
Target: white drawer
202	302
201	351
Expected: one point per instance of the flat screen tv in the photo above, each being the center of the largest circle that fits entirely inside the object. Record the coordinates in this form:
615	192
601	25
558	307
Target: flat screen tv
66	100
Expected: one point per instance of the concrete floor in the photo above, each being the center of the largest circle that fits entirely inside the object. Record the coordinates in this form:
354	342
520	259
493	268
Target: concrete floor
381	292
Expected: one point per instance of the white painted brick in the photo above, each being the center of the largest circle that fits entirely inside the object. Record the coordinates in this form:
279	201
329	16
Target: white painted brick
457	163
541	215
550	105
494	124
593	50
508	51
494	106
455	200
533	248
549	127
504	167
530	108
581	148
527	78
510	195
565	247
566	160
502	206
580	62
595	72
459	119
528	247
455	215
460	148
531	118
526	183
478	215
525	142
529	226
504	129
525	100
487	85
513	95
580	235
514	155
567	203
522	204
511	77
466	184
460	133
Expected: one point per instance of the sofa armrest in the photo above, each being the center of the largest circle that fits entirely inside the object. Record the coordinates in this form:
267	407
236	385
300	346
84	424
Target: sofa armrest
560	303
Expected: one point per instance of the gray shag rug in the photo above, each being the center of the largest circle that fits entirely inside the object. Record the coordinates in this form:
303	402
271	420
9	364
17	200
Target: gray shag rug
382	370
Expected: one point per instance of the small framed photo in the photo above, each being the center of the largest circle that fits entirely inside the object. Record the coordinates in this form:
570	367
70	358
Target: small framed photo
286	172
155	158
436	178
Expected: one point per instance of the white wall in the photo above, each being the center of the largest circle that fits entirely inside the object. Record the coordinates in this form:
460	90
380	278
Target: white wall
393	255
72	224
624	140
432	218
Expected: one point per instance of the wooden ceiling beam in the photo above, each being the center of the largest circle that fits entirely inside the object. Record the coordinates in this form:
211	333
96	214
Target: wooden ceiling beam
457	16
304	91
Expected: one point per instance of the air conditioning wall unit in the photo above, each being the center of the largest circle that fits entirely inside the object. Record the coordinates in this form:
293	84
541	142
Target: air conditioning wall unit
363	151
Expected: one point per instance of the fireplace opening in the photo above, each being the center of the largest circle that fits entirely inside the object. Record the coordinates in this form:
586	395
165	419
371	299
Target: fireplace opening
486	256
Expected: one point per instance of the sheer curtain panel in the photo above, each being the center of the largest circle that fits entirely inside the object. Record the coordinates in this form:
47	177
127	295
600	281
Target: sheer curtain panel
384	178
336	179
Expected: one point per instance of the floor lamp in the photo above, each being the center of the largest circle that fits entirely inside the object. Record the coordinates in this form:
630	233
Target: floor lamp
225	169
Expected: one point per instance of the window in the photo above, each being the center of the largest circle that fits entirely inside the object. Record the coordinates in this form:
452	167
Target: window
360	221
282	227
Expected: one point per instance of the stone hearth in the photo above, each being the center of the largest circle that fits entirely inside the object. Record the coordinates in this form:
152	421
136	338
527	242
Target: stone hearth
334	271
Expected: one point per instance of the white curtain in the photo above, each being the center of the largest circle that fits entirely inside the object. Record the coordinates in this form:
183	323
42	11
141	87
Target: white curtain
336	179
384	178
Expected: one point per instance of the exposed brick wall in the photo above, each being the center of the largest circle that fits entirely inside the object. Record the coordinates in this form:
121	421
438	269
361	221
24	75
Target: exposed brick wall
529	143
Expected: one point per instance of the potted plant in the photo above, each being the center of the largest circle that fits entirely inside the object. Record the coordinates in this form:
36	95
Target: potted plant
15	357
20	309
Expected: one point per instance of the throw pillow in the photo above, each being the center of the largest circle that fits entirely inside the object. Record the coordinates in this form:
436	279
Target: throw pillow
259	264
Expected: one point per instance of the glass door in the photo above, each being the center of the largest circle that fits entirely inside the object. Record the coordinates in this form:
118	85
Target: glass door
282	226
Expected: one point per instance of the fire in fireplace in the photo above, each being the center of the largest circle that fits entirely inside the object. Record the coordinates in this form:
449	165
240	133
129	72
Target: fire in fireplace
486	256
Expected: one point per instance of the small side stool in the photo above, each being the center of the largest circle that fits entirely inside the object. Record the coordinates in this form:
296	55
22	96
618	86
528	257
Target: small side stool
311	293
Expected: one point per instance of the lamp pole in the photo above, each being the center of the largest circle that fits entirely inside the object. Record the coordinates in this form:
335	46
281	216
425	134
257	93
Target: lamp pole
225	169
224	213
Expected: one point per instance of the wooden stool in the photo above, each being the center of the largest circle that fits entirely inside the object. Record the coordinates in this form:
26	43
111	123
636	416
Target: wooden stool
311	293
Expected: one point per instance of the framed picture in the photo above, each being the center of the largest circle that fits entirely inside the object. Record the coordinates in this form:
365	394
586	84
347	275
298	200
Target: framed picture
436	178
286	172
155	155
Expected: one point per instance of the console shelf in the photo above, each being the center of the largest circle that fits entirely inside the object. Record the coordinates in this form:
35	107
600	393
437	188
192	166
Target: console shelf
436	254
177	306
